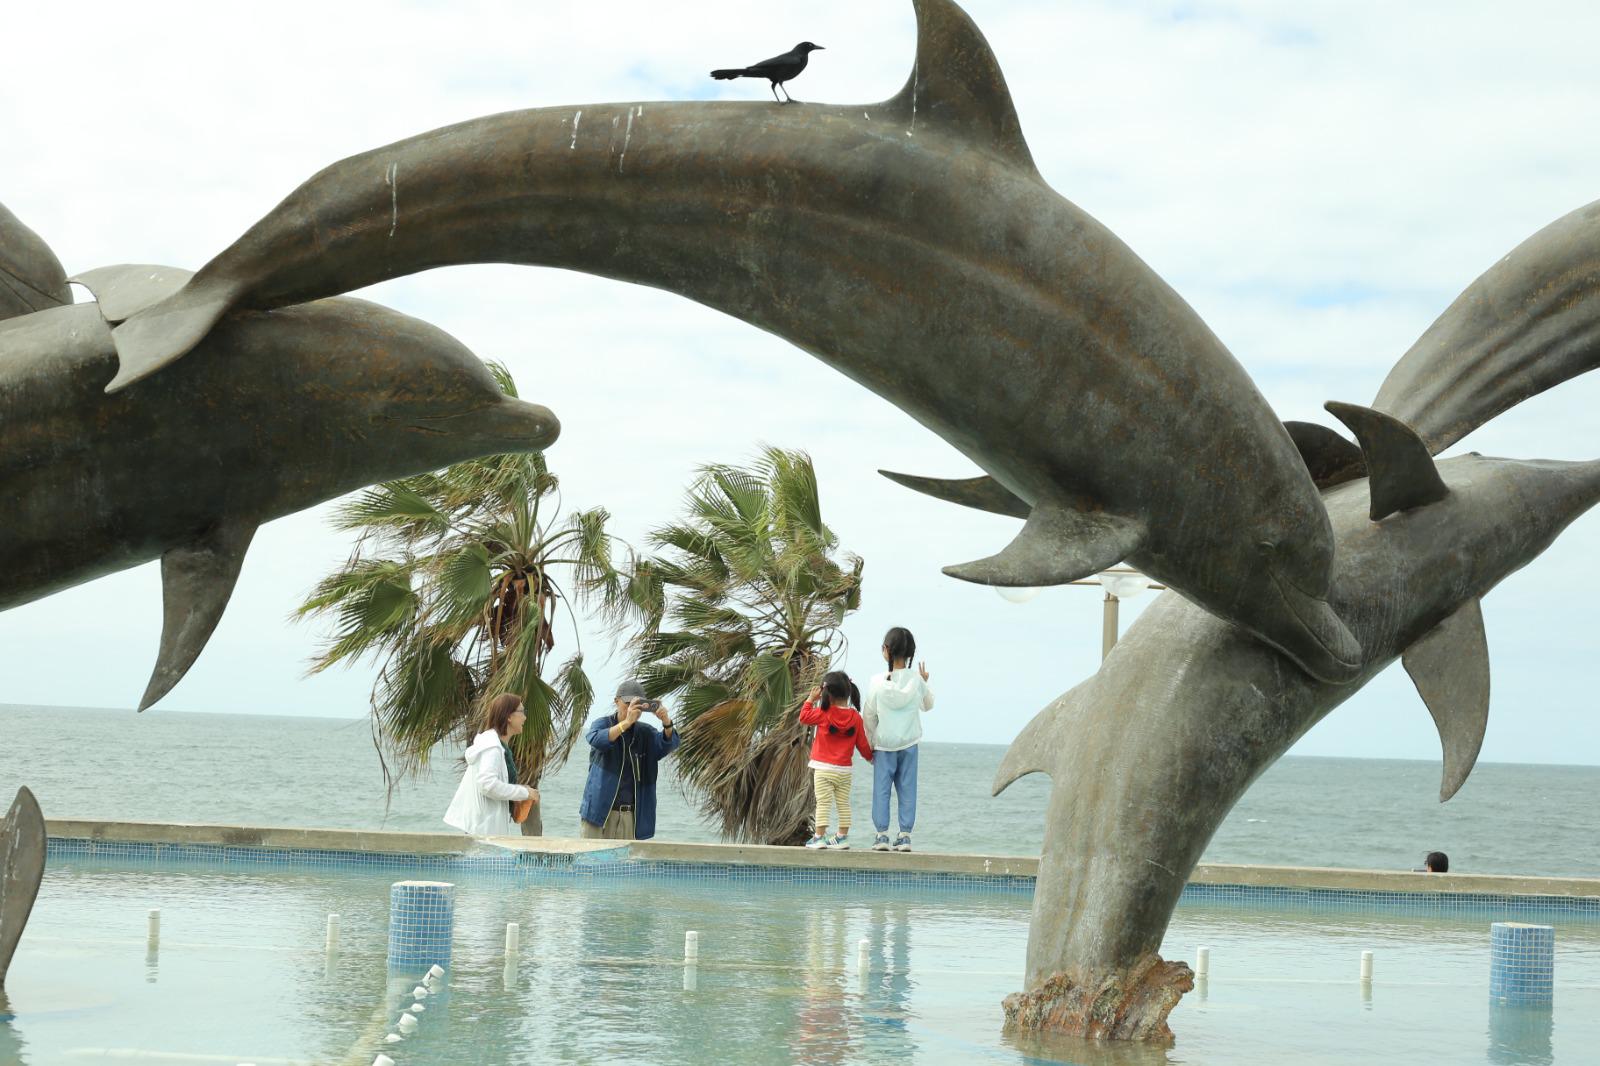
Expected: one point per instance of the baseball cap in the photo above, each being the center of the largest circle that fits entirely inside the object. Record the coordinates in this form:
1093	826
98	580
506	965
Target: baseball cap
630	690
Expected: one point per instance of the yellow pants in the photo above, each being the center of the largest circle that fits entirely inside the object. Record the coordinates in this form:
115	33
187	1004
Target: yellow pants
832	787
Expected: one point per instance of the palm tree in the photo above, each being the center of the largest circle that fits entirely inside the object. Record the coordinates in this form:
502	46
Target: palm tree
454	587
742	608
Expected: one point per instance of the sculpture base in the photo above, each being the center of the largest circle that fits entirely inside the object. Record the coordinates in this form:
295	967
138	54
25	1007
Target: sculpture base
1130	1004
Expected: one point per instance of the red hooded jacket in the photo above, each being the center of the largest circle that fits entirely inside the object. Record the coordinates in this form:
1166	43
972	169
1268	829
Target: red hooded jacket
838	730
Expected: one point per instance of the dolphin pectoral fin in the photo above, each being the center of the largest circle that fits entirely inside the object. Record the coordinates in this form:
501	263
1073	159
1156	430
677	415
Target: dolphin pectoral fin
1032	751
1450	667
1400	470
981	493
125	290
1330	459
1059	543
957	83
196	583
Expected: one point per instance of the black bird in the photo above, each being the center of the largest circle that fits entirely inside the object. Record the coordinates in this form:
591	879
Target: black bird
777	70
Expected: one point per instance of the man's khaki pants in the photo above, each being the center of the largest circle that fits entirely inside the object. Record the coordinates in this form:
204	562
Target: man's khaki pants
619	826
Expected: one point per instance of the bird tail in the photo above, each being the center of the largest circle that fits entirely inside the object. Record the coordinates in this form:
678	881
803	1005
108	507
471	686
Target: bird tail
729	75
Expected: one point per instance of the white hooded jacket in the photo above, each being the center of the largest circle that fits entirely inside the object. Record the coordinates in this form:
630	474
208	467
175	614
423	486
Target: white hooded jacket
482	803
894	709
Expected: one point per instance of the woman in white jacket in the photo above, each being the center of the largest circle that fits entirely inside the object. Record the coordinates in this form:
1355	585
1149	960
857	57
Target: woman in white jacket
894	707
482	804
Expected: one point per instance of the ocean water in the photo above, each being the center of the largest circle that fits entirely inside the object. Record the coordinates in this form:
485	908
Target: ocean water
279	771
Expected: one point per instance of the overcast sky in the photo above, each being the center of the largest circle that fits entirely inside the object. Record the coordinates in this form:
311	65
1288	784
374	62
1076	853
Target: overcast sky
1318	180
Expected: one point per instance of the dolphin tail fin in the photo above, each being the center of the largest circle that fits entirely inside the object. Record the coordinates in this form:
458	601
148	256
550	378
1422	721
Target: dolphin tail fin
159	335
196	582
163	314
1450	667
1035	749
957	83
981	493
1400	470
1058	544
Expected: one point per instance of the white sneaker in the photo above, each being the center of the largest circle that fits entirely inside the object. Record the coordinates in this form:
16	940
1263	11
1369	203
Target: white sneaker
882	843
837	843
816	842
903	842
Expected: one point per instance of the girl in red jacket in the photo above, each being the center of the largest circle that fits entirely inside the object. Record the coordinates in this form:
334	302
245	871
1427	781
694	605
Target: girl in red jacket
840	733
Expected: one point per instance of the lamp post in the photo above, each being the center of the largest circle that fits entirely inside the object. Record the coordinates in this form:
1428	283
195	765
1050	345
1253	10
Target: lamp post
1120	582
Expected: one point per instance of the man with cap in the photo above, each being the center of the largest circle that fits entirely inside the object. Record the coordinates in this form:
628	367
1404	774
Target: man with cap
619	799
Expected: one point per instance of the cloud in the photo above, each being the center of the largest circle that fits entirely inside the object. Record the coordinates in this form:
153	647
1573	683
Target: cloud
1317	180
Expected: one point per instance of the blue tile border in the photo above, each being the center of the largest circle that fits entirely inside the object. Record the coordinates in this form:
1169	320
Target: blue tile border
611	864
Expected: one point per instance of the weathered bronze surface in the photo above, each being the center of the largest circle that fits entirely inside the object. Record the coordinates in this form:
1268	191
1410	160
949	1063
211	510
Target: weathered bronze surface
31	278
22	852
910	244
273	413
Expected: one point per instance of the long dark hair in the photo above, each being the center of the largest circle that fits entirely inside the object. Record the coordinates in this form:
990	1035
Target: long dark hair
900	644
499	711
838	689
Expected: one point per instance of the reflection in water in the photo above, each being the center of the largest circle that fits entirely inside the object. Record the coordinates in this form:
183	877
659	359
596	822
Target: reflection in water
1520	1036
11	1043
152	965
826	1027
1053	1047
889	998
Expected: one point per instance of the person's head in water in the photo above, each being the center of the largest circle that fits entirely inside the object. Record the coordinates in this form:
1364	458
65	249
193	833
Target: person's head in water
899	647
838	690
1437	862
505	715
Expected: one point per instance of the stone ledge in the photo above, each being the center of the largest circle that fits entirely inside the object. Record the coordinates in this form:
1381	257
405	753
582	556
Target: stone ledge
382	841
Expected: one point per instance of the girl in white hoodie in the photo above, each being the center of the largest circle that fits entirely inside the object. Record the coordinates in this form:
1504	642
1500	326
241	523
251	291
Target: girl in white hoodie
894	707
482	804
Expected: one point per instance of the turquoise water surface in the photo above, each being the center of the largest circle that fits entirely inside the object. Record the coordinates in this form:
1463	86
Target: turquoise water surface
241	977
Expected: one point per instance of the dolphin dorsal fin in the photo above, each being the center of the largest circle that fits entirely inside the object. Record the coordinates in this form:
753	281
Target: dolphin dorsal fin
1330	459
957	84
1450	667
980	493
1400	470
1059	543
196	583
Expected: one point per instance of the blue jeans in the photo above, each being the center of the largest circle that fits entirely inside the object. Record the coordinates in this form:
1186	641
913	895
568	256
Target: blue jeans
897	768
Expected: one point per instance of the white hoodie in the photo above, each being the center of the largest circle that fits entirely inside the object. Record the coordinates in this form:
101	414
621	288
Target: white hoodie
894	707
482	804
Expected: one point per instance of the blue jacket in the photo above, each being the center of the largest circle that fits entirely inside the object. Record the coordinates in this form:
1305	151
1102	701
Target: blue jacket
646	746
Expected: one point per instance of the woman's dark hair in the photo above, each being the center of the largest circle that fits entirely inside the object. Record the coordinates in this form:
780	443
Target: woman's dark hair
901	645
1437	862
837	689
500	709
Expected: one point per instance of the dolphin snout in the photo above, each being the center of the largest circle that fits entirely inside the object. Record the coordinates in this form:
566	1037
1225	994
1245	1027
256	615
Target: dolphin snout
1309	631
523	426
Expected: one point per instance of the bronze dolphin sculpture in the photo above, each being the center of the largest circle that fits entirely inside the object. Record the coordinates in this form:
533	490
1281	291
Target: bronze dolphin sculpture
1184	716
275	412
1150	754
913	246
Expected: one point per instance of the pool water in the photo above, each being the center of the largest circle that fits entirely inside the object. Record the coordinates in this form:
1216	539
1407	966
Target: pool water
241	977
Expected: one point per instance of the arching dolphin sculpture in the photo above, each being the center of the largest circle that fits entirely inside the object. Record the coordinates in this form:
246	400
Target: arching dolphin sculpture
1183	716
1528	323
273	414
1150	754
913	246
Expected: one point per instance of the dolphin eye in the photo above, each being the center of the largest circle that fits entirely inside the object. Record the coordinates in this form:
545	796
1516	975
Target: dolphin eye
1267	546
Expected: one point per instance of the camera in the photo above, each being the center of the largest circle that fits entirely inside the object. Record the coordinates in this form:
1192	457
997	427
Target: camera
649	706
